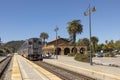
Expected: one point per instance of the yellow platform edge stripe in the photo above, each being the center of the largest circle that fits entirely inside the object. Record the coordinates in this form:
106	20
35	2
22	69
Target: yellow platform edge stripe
16	75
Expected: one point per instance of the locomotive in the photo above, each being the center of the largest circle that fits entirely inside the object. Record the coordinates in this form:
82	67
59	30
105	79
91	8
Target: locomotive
32	49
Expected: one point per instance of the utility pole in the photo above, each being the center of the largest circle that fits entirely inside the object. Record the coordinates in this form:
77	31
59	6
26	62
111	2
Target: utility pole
56	29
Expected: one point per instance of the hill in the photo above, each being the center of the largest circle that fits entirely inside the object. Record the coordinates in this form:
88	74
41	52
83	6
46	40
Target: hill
11	46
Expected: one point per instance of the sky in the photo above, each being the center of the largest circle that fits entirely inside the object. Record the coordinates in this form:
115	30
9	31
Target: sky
24	19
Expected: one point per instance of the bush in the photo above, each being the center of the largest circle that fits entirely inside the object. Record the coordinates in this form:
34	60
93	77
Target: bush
82	57
118	53
71	54
1	51
106	54
0	54
109	55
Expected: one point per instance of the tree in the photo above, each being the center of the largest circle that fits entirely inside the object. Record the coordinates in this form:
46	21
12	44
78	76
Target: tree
110	45
44	36
86	41
117	45
71	39
74	27
94	41
80	42
83	42
1	51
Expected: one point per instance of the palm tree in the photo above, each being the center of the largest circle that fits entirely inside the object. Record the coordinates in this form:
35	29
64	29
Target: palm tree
74	27
80	42
84	42
44	36
94	41
111	45
117	44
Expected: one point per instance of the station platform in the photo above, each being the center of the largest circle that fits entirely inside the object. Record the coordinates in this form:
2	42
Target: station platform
23	69
99	72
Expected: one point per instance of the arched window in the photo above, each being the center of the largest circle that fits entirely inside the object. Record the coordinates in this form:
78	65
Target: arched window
66	51
82	50
74	50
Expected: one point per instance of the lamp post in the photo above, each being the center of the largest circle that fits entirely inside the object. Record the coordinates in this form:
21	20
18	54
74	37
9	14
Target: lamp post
88	13
56	29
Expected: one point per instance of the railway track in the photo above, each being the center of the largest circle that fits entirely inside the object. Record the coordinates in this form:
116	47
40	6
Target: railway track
62	73
3	65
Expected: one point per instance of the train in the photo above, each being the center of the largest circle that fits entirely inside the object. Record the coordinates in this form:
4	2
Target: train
31	49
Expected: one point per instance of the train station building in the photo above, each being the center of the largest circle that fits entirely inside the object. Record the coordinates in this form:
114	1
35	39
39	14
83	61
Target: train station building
62	46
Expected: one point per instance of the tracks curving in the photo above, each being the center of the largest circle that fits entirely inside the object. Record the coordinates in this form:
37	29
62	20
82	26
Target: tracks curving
62	73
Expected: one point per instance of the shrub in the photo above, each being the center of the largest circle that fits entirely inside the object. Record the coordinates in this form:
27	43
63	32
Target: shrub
106	54
0	54
82	57
118	53
109	55
71	54
1	51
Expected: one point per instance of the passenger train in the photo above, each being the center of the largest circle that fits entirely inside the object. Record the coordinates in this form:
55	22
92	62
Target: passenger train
32	49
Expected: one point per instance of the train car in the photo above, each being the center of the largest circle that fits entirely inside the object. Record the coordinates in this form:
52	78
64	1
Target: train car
32	49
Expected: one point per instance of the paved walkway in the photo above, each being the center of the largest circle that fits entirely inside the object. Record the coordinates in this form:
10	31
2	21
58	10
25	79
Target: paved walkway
108	61
98	72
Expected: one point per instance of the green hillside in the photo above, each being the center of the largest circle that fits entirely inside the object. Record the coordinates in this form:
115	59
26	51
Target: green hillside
11	46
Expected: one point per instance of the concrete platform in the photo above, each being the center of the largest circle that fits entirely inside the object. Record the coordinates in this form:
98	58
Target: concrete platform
16	74
98	72
23	69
